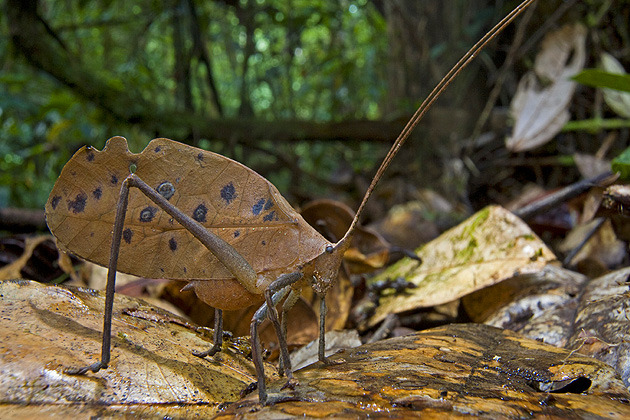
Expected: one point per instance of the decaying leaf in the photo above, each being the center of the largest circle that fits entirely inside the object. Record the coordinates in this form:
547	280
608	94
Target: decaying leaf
541	305
46	329
13	270
540	109
452	371
602	326
618	101
601	248
335	341
490	246
332	219
589	165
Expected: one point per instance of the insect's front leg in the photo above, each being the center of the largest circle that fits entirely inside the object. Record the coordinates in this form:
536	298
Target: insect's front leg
121	211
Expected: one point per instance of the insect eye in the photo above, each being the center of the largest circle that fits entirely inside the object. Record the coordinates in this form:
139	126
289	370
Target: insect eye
329	249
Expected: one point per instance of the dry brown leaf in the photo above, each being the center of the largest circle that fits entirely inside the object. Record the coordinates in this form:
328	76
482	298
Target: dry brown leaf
541	110
46	329
602	326
368	251
541	306
453	371
12	270
602	248
490	246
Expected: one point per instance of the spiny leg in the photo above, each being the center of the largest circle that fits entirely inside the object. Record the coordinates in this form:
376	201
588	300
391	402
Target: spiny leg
218	336
280	283
259	316
121	210
321	351
288	303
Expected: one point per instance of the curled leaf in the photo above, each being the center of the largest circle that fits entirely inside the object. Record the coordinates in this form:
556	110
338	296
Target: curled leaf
540	106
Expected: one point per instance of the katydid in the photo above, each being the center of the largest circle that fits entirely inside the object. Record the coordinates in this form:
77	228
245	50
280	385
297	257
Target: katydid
179	212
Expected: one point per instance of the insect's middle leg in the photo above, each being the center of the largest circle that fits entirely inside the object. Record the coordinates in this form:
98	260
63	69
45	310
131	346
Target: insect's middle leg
218	336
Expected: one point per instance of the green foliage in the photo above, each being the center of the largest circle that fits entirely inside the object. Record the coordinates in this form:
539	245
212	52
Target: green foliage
621	164
603	79
312	60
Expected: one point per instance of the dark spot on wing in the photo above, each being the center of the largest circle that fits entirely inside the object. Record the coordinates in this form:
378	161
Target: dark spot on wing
127	235
268	205
162	270
199	214
258	207
147	214
228	193
264	242
97	193
166	190
157	149
114	179
237	233
185	269
269	217
78	204
89	156
172	244
54	202
200	156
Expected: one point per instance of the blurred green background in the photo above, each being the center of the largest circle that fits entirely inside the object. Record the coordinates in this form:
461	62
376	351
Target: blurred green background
308	93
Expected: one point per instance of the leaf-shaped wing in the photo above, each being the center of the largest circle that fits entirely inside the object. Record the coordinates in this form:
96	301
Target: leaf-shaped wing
226	197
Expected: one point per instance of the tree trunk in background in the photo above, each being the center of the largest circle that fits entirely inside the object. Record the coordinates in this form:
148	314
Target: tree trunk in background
426	38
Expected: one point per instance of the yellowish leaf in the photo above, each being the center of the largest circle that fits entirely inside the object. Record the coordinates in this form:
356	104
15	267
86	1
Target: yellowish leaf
489	247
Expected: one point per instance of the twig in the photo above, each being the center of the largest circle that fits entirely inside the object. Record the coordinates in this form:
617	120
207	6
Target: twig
564	194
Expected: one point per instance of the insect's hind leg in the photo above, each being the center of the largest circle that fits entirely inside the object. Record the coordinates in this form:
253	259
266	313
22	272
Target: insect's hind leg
280	283
259	316
218	336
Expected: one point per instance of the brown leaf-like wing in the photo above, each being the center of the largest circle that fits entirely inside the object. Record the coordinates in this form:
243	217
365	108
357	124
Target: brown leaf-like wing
226	197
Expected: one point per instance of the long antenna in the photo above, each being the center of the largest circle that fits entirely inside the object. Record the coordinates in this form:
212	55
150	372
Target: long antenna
426	104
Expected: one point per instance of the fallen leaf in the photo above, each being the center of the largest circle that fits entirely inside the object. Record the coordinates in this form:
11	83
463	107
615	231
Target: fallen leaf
540	109
14	269
602	247
602	324
456	371
541	305
590	166
490	246
46	329
335	341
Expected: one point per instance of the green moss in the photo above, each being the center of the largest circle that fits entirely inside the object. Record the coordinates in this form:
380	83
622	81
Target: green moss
475	221
466	253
